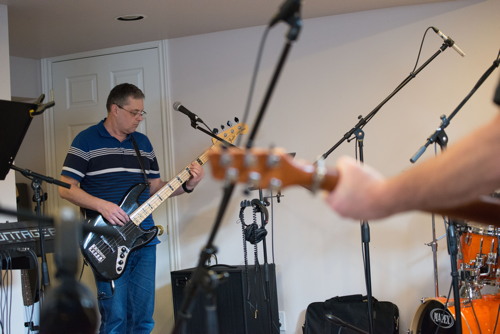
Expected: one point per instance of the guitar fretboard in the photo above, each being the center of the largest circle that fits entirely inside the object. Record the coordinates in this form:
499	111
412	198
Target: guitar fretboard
147	208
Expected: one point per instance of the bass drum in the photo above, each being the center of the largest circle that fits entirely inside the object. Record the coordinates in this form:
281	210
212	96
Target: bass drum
480	316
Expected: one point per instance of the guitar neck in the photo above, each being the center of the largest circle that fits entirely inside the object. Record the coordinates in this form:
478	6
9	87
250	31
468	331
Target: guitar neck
147	208
277	169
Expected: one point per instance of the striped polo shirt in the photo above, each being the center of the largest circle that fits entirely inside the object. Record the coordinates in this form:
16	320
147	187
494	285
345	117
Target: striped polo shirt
107	168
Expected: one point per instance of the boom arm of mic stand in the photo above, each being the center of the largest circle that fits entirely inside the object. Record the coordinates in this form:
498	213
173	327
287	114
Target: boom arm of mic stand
365	120
446	120
226	143
28	173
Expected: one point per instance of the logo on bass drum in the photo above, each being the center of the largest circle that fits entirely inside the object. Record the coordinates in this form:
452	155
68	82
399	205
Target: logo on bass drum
442	318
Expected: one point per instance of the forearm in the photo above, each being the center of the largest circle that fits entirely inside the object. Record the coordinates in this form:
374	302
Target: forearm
81	198
464	171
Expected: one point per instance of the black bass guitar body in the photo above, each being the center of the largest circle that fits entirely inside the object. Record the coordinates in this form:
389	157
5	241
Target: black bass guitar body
108	255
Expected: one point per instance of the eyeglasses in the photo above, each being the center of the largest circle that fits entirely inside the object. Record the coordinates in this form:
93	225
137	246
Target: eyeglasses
134	113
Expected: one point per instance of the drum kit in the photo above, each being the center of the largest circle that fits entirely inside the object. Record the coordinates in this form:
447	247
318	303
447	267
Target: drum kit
479	282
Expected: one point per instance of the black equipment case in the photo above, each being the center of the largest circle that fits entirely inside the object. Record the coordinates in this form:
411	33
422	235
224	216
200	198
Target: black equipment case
351	314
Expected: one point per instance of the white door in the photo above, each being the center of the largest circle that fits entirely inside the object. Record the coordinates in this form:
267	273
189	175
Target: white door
80	88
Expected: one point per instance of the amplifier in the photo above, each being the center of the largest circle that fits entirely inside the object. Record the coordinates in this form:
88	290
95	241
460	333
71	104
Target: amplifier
246	301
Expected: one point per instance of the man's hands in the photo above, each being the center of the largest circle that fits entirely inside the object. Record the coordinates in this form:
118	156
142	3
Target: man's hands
197	173
359	192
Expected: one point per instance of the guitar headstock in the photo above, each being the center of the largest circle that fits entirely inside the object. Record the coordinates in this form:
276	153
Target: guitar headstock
275	169
231	134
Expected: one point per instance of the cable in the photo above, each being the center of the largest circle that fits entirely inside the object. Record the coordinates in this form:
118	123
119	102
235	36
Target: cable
253	81
272	226
245	253
30	310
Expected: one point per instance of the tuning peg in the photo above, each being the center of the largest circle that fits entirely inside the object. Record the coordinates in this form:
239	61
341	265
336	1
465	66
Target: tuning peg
215	131
275	184
253	181
222	127
229	123
273	159
249	160
236	119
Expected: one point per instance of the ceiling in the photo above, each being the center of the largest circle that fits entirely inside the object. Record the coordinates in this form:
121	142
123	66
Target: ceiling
49	28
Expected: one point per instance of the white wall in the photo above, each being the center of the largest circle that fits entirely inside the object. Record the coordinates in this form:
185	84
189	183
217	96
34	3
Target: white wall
340	67
26	84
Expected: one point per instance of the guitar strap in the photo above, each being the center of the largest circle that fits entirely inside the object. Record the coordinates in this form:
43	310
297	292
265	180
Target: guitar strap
138	154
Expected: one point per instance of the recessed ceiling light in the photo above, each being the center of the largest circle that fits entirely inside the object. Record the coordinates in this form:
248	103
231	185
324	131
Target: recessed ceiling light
132	17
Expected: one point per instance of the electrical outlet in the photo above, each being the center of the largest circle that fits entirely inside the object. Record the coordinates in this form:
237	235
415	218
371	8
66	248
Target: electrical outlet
282	320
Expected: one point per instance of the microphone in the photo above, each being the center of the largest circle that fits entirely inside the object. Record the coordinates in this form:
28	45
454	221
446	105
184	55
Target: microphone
179	107
449	41
288	9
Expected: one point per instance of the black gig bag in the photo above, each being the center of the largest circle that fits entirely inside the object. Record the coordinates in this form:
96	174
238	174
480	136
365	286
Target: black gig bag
334	316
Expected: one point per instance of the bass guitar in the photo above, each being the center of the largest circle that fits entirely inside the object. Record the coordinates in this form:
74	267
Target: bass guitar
261	168
107	255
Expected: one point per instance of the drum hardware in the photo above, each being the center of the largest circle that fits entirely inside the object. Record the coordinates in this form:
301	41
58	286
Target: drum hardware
476	266
434	246
471	290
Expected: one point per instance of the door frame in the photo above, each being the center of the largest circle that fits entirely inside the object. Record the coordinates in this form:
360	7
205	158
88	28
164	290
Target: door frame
168	168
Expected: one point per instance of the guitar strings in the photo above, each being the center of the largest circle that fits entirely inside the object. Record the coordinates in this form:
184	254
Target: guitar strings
172	185
108	246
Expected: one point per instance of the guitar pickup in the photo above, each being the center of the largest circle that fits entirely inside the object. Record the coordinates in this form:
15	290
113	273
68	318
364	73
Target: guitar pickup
96	253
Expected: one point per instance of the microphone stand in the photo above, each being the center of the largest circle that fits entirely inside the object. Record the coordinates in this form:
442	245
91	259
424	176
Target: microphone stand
293	33
200	273
194	124
363	121
439	134
359	135
201	277
440	137
36	181
365	240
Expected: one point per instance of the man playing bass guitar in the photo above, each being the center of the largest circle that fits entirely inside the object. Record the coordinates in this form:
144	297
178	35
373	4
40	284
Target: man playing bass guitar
103	163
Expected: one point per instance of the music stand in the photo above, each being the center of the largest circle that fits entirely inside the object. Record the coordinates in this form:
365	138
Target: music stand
16	119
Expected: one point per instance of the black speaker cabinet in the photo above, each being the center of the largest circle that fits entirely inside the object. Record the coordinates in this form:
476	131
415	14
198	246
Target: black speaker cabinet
246	301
